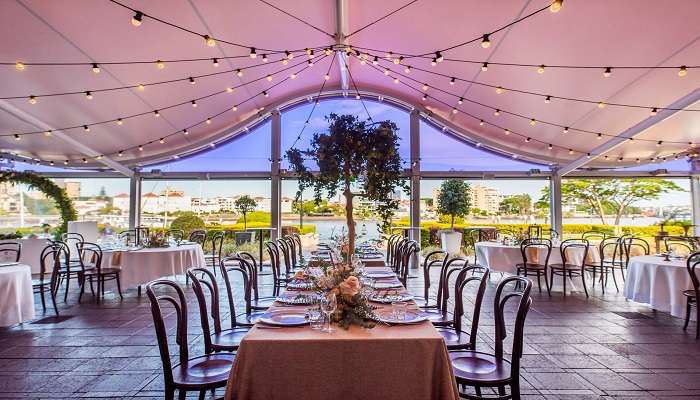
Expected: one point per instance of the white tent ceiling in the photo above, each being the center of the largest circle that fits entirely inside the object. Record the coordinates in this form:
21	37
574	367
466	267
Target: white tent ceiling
584	33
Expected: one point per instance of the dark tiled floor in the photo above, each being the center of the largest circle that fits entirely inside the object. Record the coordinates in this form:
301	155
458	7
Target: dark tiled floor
576	348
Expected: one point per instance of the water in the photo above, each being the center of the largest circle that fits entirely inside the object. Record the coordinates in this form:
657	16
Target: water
325	228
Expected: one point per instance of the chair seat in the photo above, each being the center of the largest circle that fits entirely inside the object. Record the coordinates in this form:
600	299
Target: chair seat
566	267
689	293
473	368
249	319
423	303
75	269
103	271
262	303
229	339
40	282
454	340
208	371
532	266
435	316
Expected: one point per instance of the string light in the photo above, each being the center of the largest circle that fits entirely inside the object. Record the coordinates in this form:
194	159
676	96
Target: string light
438	57
497	112
683	71
556	6
264	93
499	90
433	62
386	72
161	141
452	81
229	90
607	72
239	73
588	155
549	146
192	81
85	161
328	51
140	148
253	54
88	95
86	128
160	64
95	68
659	143
540	69
407	69
185	132
141	87
425	97
310	63
269	78
528	140
288	55
137	19
396	80
461	100
264	58
194	104
547	99
454	111
32	99
293	76
485	42
18	137
215	62
566	130
485	67
507	132
156	113
425	87
209	40
601	104
48	133
653	111
120	122
599	136
19	66
481	122
65	162
375	60
326	77
533	122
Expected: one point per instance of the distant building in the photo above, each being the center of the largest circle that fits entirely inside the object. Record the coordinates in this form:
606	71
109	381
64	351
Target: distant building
482	197
72	189
168	200
286	204
121	201
9	197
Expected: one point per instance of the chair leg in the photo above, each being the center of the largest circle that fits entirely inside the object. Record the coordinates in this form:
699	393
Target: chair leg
82	289
202	393
546	282
697	321
615	280
169	394
687	314
65	295
622	272
501	390
583	279
119	287
53	300
41	293
182	394
539	282
515	390
563	278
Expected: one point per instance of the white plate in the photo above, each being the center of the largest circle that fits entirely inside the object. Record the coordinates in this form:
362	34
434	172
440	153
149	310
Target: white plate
380	274
284	318
387	285
390	298
302	300
412	317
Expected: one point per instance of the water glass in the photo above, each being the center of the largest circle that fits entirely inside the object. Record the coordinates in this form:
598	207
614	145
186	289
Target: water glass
398	310
316	318
328	305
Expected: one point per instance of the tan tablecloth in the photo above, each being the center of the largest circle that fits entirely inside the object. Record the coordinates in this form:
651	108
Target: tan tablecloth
400	362
142	266
16	294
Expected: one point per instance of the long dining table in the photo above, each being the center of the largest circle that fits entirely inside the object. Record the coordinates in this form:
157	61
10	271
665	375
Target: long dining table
400	362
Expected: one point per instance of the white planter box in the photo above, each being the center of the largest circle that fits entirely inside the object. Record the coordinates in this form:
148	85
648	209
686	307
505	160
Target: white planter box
451	241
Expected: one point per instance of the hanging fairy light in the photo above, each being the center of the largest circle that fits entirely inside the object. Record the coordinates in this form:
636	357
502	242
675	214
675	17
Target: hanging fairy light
88	95
86	128
326	77
264	58
32	99
194	104
425	87
185	132
191	80
653	111
607	72
555	7
497	112
95	68
683	71
601	104
540	69
19	66
439	57
140	87
253	54
215	62
499	90
210	41
239	73
547	99
137	19
18	137
485	67
160	64
156	113
485	41
269	78
452	81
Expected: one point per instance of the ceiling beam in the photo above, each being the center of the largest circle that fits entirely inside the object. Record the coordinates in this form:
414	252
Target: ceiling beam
633	131
80	146
341	27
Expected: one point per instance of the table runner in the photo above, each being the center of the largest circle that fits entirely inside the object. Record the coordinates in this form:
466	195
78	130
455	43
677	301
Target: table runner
398	362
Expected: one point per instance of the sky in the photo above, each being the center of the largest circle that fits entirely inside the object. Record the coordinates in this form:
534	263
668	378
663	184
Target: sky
251	152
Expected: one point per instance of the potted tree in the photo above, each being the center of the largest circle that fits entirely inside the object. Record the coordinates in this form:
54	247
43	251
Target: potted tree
244	205
454	200
357	158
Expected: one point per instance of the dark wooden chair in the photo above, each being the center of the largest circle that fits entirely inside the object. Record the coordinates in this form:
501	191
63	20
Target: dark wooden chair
257	302
692	295
91	263
10	251
198	236
178	235
455	338
407	253
484	370
568	268
594	236
220	339
390	242
71	267
217	243
680	244
611	257
297	241
532	263
203	373
437	257
47	282
441	315
228	266
278	279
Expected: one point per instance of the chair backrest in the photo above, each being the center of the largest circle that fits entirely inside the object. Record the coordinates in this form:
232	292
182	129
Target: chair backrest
208	280
692	262
90	254
530	250
480	276
428	262
570	246
274	253
284	249
71	239
178	235
407	254
228	265
254	271
198	236
450	267
297	240
594	235
521	290
179	303
50	260
217	243
10	251
635	246
292	247
534	231
391	248
680	244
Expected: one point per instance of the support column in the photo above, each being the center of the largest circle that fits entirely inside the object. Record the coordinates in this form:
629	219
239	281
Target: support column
695	201
135	200
415	180
555	214
275	182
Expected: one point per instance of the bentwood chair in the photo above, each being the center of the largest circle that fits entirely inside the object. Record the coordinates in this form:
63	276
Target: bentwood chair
407	254
278	279
257	302
10	251
693	295
71	267
535	253
217	244
230	265
455	338
594	236
91	263
569	267
220	339
441	316
49	262
431	259
198	236
178	235
680	245
611	257
203	373
484	370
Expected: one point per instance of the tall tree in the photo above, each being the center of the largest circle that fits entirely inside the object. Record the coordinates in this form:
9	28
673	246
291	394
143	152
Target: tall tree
518	204
353	154
244	205
454	199
614	196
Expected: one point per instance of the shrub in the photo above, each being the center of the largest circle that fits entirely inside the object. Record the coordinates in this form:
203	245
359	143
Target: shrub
187	223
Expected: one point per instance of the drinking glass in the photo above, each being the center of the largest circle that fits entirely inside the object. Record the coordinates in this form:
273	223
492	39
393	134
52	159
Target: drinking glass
398	309
316	317
328	306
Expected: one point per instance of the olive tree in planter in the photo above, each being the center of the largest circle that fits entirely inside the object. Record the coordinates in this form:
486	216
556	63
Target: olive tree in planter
454	200
353	154
244	205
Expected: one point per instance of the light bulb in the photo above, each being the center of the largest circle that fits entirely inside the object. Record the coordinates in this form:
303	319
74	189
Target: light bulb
239	73
438	57
264	58
310	53
549	146
540	69
18	137
269	78
185	132
160	64
566	130
396	80
161	141
499	90
86	128
293	76
99	157
424	98
386	72
137	19
32	99
194	104
210	41
433	62
601	104
310	63
253	54
659	143
234	108
156	113
84	161
556	6
215	62
653	111
229	90
485	67
95	68
328	51
140	148
285	61
141	87
599	136
375	60
88	95
528	140
288	55
571	151
485	42
533	122
19	66
51	163
507	132
607	72
192	81
65	162
47	133
452	81
357	97
120	122
397	61
481	122
497	112
326	77
264	93
425	87
407	69
454	111
683	71
461	100
547	99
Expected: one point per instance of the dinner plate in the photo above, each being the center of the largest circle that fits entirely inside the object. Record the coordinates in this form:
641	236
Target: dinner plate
387	299
300	285
8	264
371	256
412	317
297	300
380	274
284	318
387	285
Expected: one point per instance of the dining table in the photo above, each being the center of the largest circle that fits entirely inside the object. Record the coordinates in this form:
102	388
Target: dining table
388	362
659	282
503	257
16	293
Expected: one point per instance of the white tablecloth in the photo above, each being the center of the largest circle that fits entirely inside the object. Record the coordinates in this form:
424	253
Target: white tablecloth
142	266
16	294
31	252
503	258
658	283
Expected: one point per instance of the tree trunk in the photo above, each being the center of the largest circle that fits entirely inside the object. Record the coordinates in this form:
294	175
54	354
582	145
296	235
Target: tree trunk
452	222
349	220
245	222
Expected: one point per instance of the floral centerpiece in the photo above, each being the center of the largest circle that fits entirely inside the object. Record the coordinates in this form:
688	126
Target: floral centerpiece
156	240
343	282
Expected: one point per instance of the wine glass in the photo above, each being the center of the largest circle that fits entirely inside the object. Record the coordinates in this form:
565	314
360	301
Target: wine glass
328	306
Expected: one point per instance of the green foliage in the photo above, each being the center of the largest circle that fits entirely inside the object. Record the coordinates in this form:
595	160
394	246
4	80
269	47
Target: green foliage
244	205
353	153
518	204
187	223
50	189
454	199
